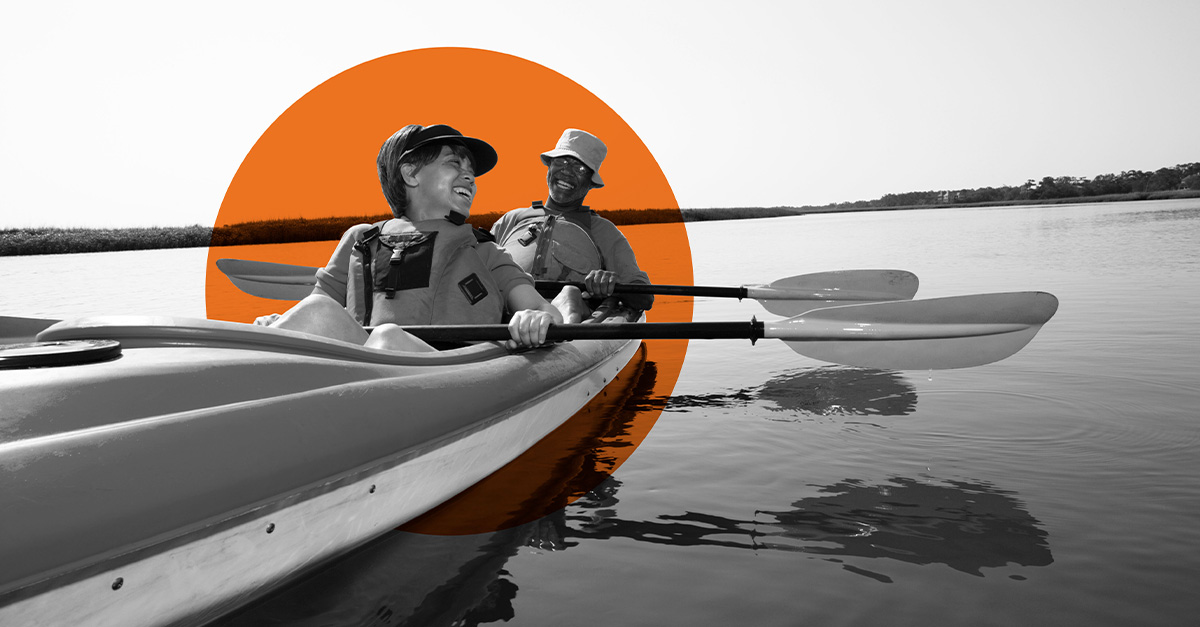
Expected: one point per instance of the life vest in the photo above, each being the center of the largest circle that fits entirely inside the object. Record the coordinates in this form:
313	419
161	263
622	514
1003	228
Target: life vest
423	273
550	247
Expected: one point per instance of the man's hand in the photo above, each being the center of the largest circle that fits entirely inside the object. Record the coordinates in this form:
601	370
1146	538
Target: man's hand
600	283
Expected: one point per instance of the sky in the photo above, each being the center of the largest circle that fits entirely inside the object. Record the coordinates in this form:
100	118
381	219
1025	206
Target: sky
138	113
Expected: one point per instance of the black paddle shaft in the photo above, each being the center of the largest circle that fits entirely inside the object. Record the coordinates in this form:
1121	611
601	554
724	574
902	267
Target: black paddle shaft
553	287
751	330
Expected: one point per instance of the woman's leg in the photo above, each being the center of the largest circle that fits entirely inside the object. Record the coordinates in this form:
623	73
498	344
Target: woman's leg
320	315
391	337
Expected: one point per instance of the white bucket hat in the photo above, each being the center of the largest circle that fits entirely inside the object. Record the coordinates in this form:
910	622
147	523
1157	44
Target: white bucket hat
583	146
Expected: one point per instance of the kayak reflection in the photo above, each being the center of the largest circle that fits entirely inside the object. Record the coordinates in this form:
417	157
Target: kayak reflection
824	391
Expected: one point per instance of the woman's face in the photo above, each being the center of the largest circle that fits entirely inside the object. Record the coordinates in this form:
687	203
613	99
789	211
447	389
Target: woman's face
447	184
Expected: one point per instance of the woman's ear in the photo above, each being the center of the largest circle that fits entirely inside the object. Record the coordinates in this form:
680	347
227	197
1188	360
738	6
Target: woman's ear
408	172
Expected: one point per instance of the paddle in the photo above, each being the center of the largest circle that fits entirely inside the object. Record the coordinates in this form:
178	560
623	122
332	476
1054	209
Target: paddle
939	333
790	296
265	279
786	297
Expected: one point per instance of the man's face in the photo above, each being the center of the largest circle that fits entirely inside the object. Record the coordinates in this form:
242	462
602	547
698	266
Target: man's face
568	180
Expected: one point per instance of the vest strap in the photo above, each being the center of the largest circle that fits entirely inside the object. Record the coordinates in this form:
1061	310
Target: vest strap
411	263
363	246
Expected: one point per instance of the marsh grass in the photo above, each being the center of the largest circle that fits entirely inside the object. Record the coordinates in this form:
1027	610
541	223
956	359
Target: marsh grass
48	241
52	241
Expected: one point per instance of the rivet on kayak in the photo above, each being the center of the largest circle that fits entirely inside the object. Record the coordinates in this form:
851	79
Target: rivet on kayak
117	583
270	527
372	488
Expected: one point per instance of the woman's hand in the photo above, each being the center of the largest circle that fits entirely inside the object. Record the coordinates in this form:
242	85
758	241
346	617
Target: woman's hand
600	283
528	328
265	321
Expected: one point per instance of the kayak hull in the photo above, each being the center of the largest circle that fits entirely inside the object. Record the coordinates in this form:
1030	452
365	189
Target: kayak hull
238	469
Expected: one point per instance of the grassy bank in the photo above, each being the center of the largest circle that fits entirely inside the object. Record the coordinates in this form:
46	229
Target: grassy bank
45	241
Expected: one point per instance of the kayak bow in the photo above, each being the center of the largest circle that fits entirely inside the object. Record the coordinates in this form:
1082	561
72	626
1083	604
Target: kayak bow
211	462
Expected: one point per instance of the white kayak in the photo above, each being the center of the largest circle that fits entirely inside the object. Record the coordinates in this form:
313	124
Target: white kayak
164	471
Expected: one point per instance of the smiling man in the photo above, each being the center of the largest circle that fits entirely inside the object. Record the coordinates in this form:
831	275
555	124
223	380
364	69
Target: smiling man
562	239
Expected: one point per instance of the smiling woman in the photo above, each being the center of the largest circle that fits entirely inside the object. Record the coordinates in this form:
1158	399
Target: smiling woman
425	265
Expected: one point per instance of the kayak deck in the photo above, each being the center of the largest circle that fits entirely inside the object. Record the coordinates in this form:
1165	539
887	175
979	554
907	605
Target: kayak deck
216	460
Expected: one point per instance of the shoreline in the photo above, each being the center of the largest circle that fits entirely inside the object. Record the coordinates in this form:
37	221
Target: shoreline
43	241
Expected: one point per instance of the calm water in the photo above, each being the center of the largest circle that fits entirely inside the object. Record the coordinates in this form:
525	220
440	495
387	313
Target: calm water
1056	487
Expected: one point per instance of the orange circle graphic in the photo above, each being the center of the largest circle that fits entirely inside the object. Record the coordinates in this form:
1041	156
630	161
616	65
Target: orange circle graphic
317	160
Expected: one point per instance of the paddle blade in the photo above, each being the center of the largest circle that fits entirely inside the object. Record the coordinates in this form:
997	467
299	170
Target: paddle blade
19	330
939	333
264	279
795	295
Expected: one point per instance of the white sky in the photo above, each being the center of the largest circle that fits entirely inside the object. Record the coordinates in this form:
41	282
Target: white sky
139	113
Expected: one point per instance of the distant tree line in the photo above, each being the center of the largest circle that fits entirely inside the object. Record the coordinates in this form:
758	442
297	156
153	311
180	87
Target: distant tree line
1181	177
1179	181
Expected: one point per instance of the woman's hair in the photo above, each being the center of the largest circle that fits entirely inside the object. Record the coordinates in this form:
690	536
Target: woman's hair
391	157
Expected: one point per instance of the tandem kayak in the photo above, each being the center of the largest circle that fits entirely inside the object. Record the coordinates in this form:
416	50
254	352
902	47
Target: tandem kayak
168	470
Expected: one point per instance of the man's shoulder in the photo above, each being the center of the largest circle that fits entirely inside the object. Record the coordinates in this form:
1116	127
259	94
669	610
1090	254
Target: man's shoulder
515	216
535	208
598	223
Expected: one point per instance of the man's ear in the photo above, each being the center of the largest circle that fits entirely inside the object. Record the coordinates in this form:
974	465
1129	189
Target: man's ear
408	172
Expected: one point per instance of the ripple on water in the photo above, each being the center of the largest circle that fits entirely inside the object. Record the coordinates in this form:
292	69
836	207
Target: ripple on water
1094	425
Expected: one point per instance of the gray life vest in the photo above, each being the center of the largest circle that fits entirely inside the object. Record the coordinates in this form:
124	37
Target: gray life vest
550	247
424	273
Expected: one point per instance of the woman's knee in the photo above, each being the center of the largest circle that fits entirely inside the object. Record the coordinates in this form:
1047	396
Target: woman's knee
321	315
391	337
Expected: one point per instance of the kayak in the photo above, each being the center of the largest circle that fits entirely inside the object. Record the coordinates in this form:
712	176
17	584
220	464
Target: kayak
426	579
169	470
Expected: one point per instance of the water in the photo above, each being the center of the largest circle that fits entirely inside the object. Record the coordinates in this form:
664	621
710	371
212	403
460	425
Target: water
1056	487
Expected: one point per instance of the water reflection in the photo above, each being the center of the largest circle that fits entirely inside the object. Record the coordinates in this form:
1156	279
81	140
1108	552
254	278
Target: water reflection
967	526
410	578
824	391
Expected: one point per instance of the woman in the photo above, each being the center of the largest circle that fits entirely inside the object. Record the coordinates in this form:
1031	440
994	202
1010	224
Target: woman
424	266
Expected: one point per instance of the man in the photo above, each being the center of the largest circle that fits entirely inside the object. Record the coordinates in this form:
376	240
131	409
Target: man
562	239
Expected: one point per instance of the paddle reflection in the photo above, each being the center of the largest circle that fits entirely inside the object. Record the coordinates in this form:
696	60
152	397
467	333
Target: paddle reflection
414	579
824	391
967	526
